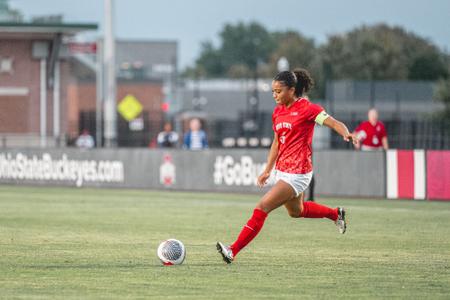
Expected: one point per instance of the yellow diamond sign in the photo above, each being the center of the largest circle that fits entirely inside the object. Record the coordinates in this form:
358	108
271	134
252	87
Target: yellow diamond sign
129	107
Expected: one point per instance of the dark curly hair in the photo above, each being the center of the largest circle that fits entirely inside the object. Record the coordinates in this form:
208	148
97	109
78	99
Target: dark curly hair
300	79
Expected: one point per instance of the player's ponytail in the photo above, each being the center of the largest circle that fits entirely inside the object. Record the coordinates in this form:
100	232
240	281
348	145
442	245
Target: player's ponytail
304	82
300	79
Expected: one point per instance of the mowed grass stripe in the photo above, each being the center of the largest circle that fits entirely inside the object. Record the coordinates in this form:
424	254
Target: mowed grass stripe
94	243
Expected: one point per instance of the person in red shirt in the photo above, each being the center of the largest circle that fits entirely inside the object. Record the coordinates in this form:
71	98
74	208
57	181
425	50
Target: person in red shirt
372	133
293	120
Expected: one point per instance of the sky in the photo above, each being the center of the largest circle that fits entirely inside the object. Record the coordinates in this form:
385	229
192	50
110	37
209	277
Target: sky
192	21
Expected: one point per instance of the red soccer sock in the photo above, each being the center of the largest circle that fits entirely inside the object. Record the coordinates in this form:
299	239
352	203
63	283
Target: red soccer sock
249	231
315	210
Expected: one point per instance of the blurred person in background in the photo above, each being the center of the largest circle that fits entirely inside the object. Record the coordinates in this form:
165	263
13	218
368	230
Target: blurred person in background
195	138
293	122
167	138
85	140
372	133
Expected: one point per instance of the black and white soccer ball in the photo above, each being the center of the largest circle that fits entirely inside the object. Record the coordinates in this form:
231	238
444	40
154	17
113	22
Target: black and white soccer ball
171	252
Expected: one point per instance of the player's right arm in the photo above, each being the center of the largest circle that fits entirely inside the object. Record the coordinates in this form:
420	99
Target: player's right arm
360	134
341	129
360	138
271	159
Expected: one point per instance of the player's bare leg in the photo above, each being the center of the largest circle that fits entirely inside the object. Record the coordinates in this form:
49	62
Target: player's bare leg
298	208
278	195
294	206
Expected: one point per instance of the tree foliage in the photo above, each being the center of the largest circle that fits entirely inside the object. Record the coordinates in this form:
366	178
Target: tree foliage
242	49
382	52
298	49
7	14
442	93
246	45
428	66
378	52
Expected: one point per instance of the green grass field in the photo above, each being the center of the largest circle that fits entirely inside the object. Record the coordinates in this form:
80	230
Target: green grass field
86	243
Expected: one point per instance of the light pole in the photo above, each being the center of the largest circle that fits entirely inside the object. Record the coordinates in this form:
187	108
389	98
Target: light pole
282	64
110	120
250	125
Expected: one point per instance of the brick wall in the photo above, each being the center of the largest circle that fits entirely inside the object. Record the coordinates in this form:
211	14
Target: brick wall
21	114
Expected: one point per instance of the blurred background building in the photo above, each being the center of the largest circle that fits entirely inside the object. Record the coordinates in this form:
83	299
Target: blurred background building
146	71
51	84
35	76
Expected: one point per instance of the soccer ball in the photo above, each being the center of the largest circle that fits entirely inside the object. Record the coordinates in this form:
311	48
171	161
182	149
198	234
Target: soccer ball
171	252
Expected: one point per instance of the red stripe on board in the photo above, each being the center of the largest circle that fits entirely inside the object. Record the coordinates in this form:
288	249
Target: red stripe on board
438	175
405	171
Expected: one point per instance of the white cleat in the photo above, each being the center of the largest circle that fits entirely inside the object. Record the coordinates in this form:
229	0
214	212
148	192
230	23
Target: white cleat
226	252
340	222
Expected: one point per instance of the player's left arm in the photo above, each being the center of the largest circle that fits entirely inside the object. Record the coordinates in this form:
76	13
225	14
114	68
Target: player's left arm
341	129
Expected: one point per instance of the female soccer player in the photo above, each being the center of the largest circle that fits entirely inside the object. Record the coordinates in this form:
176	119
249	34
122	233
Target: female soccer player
293	123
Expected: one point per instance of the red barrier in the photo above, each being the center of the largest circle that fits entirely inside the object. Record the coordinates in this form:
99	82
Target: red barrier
405	163
405	174
438	175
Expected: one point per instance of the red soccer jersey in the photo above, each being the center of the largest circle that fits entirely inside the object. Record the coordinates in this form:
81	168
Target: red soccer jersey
295	128
370	135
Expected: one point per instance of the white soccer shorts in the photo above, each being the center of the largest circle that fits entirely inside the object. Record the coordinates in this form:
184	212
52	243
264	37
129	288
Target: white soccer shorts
299	182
